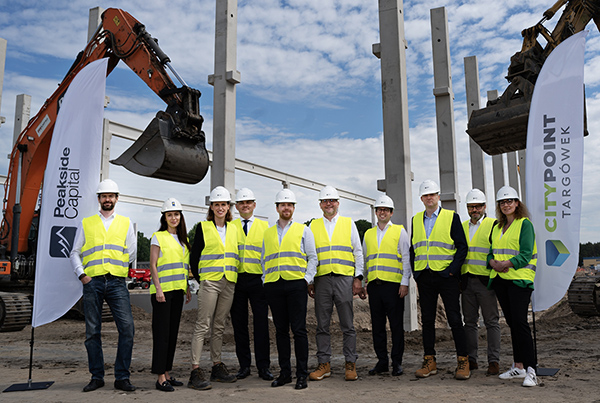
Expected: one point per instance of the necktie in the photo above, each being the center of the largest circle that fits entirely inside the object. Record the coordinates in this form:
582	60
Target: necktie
246	227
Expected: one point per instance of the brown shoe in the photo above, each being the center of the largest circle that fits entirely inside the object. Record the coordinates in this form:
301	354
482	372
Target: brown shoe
493	369
322	371
351	374
428	368
462	369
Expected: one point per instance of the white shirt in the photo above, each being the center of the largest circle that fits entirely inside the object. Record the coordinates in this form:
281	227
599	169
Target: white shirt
307	246
75	257
357	250
473	227
403	249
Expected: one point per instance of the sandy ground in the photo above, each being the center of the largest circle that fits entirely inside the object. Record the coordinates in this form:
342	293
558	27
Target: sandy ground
565	341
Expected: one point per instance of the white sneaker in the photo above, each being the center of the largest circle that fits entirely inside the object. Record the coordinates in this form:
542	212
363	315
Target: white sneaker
513	373
530	378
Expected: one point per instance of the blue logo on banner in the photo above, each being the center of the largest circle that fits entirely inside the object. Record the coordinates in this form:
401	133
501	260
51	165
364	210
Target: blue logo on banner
61	241
556	253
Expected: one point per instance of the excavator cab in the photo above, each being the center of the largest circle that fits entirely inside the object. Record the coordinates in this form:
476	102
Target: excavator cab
173	145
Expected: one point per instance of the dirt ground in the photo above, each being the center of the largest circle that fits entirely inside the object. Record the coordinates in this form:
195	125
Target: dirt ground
565	341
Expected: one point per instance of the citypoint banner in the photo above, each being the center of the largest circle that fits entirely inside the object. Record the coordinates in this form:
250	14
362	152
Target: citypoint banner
554	169
68	195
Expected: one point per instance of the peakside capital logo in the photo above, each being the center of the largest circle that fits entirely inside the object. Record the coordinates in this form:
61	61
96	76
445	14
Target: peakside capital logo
61	241
556	253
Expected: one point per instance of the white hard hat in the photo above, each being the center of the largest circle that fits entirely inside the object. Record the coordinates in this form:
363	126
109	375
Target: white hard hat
384	201
219	194
329	193
171	204
475	196
107	186
428	187
245	194
285	196
506	192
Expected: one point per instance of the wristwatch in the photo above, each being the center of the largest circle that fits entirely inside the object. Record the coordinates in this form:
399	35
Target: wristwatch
82	275
360	277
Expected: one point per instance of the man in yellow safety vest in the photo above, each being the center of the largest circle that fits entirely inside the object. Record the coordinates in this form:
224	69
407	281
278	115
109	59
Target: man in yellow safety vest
104	245
289	261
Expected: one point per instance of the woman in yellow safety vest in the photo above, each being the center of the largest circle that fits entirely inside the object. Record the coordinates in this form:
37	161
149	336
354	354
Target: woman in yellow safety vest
169	266
214	262
513	258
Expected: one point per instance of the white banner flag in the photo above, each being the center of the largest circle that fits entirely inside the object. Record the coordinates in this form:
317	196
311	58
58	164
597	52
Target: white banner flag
555	169
69	191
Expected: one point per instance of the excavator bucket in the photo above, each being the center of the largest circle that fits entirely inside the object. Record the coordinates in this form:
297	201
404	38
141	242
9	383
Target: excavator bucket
501	127
163	152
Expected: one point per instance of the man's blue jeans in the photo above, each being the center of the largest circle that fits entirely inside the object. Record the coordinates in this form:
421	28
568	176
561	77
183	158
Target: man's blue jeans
114	291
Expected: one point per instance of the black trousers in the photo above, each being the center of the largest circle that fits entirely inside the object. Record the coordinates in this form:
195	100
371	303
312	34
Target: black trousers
249	289
165	328
384	302
288	299
431	285
514	301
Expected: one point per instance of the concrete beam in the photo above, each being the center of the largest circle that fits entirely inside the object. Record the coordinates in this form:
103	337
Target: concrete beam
130	133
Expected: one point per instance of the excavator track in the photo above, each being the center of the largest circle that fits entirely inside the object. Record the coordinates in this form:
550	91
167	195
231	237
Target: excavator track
15	311
584	296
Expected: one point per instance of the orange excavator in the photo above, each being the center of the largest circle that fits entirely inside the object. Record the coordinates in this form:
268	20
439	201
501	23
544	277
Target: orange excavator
501	126
172	147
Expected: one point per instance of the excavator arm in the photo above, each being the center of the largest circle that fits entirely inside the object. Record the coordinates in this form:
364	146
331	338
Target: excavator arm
501	126
172	147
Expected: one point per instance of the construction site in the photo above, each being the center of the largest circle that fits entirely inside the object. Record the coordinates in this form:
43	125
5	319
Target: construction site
174	150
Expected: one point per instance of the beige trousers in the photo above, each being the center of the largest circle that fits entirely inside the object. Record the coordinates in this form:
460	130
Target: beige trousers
214	302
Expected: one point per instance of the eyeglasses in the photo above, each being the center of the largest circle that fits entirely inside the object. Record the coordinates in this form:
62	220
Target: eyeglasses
475	206
383	210
508	202
328	201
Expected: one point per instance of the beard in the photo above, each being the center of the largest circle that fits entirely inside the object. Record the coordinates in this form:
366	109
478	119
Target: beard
107	206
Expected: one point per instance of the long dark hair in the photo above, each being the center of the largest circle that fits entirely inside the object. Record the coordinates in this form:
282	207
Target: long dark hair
520	212
210	216
181	229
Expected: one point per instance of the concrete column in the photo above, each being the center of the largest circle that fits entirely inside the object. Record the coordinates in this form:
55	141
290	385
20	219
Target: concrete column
522	171
478	175
95	18
397	182
224	81
497	160
444	108
105	158
513	170
3	43
22	114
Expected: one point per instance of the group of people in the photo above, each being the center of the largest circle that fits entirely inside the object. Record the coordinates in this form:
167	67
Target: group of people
244	262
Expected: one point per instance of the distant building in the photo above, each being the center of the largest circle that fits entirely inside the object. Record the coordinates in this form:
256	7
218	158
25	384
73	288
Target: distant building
591	262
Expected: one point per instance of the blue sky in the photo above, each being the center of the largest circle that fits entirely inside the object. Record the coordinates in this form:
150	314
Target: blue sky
309	102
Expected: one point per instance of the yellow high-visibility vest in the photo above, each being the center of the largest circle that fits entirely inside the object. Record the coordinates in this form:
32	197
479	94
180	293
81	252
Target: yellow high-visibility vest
479	247
174	264
384	262
286	261
250	246
105	251
438	251
334	255
218	260
507	247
